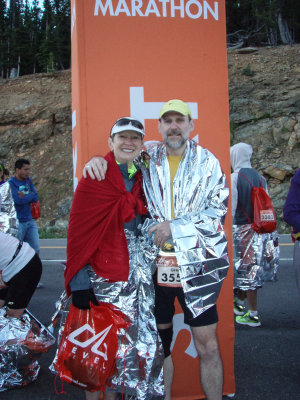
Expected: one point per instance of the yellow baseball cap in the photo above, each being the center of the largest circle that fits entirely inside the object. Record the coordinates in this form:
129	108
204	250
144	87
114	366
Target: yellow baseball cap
177	106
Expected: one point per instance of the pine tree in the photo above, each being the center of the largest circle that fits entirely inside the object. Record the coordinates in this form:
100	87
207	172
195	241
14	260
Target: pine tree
62	34
47	46
3	39
15	30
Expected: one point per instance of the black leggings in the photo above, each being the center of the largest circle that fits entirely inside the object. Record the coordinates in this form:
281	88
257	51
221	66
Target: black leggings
22	286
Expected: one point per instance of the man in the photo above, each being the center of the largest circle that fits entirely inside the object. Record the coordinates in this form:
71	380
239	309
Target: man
257	258
24	193
291	215
187	194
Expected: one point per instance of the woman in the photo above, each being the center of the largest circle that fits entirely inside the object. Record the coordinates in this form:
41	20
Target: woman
106	260
3	172
20	272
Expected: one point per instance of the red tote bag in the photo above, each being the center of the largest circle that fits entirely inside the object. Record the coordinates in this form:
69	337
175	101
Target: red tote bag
87	351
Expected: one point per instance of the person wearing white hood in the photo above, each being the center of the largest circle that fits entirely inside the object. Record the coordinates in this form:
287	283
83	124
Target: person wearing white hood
249	246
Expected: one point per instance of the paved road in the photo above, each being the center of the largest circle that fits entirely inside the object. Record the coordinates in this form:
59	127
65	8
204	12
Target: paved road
267	359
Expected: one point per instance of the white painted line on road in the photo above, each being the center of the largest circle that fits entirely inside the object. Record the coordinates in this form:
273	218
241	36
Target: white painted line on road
53	247
281	259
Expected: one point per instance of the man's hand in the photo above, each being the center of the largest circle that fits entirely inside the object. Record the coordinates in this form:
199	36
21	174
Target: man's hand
96	168
21	194
162	232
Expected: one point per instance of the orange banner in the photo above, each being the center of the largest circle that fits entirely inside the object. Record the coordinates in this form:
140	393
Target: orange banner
128	58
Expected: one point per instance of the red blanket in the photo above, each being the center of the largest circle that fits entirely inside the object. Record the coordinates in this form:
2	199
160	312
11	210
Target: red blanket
96	231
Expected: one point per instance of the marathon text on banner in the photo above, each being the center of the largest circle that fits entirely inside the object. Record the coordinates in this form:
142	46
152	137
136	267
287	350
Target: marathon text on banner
193	9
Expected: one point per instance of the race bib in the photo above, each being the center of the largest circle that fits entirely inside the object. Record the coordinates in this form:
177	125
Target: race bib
168	271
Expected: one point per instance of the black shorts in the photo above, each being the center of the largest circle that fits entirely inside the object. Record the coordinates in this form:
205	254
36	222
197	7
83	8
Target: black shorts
165	309
22	286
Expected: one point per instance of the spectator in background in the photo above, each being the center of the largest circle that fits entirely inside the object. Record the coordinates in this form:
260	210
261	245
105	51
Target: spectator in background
3	172
20	272
23	193
257	254
8	215
291	215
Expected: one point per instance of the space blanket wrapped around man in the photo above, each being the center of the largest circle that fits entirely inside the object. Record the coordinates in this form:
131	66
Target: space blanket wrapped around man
200	199
22	340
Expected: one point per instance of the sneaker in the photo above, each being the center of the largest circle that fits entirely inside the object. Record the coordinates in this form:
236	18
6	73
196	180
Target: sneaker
238	309
246	319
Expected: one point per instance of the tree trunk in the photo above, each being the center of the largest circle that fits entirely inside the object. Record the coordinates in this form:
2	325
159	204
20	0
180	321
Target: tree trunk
285	34
272	36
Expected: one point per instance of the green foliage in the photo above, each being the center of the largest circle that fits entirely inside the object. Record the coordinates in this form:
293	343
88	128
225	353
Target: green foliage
52	233
256	22
284	129
233	126
248	71
34	39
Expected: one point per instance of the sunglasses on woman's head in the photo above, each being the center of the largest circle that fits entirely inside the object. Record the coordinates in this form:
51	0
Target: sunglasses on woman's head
127	121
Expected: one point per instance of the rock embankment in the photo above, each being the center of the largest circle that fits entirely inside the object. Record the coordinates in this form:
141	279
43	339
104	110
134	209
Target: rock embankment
264	91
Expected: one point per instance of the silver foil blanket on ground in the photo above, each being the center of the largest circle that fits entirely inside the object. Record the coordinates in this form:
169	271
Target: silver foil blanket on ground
200	198
140	354
257	257
8	216
22	340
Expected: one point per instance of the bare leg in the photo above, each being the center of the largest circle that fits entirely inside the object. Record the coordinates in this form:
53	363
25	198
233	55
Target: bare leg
206	342
168	367
92	395
2	302
168	376
242	294
252	299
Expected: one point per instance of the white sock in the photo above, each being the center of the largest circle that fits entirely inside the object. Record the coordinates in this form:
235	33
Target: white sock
253	313
241	302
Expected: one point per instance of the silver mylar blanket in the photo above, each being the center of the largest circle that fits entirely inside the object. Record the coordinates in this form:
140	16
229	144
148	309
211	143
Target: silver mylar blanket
22	340
8	215
200	198
140	356
257	257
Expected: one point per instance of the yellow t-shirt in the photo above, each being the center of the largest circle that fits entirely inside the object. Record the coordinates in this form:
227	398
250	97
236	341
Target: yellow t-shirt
173	163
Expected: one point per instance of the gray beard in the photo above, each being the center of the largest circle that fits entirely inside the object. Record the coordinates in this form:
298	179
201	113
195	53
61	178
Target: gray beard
175	145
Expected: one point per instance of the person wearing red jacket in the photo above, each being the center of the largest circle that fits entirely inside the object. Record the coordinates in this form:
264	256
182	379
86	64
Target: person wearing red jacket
102	258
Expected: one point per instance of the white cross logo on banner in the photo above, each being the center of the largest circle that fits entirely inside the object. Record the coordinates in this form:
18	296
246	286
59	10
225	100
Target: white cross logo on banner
150	110
179	325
